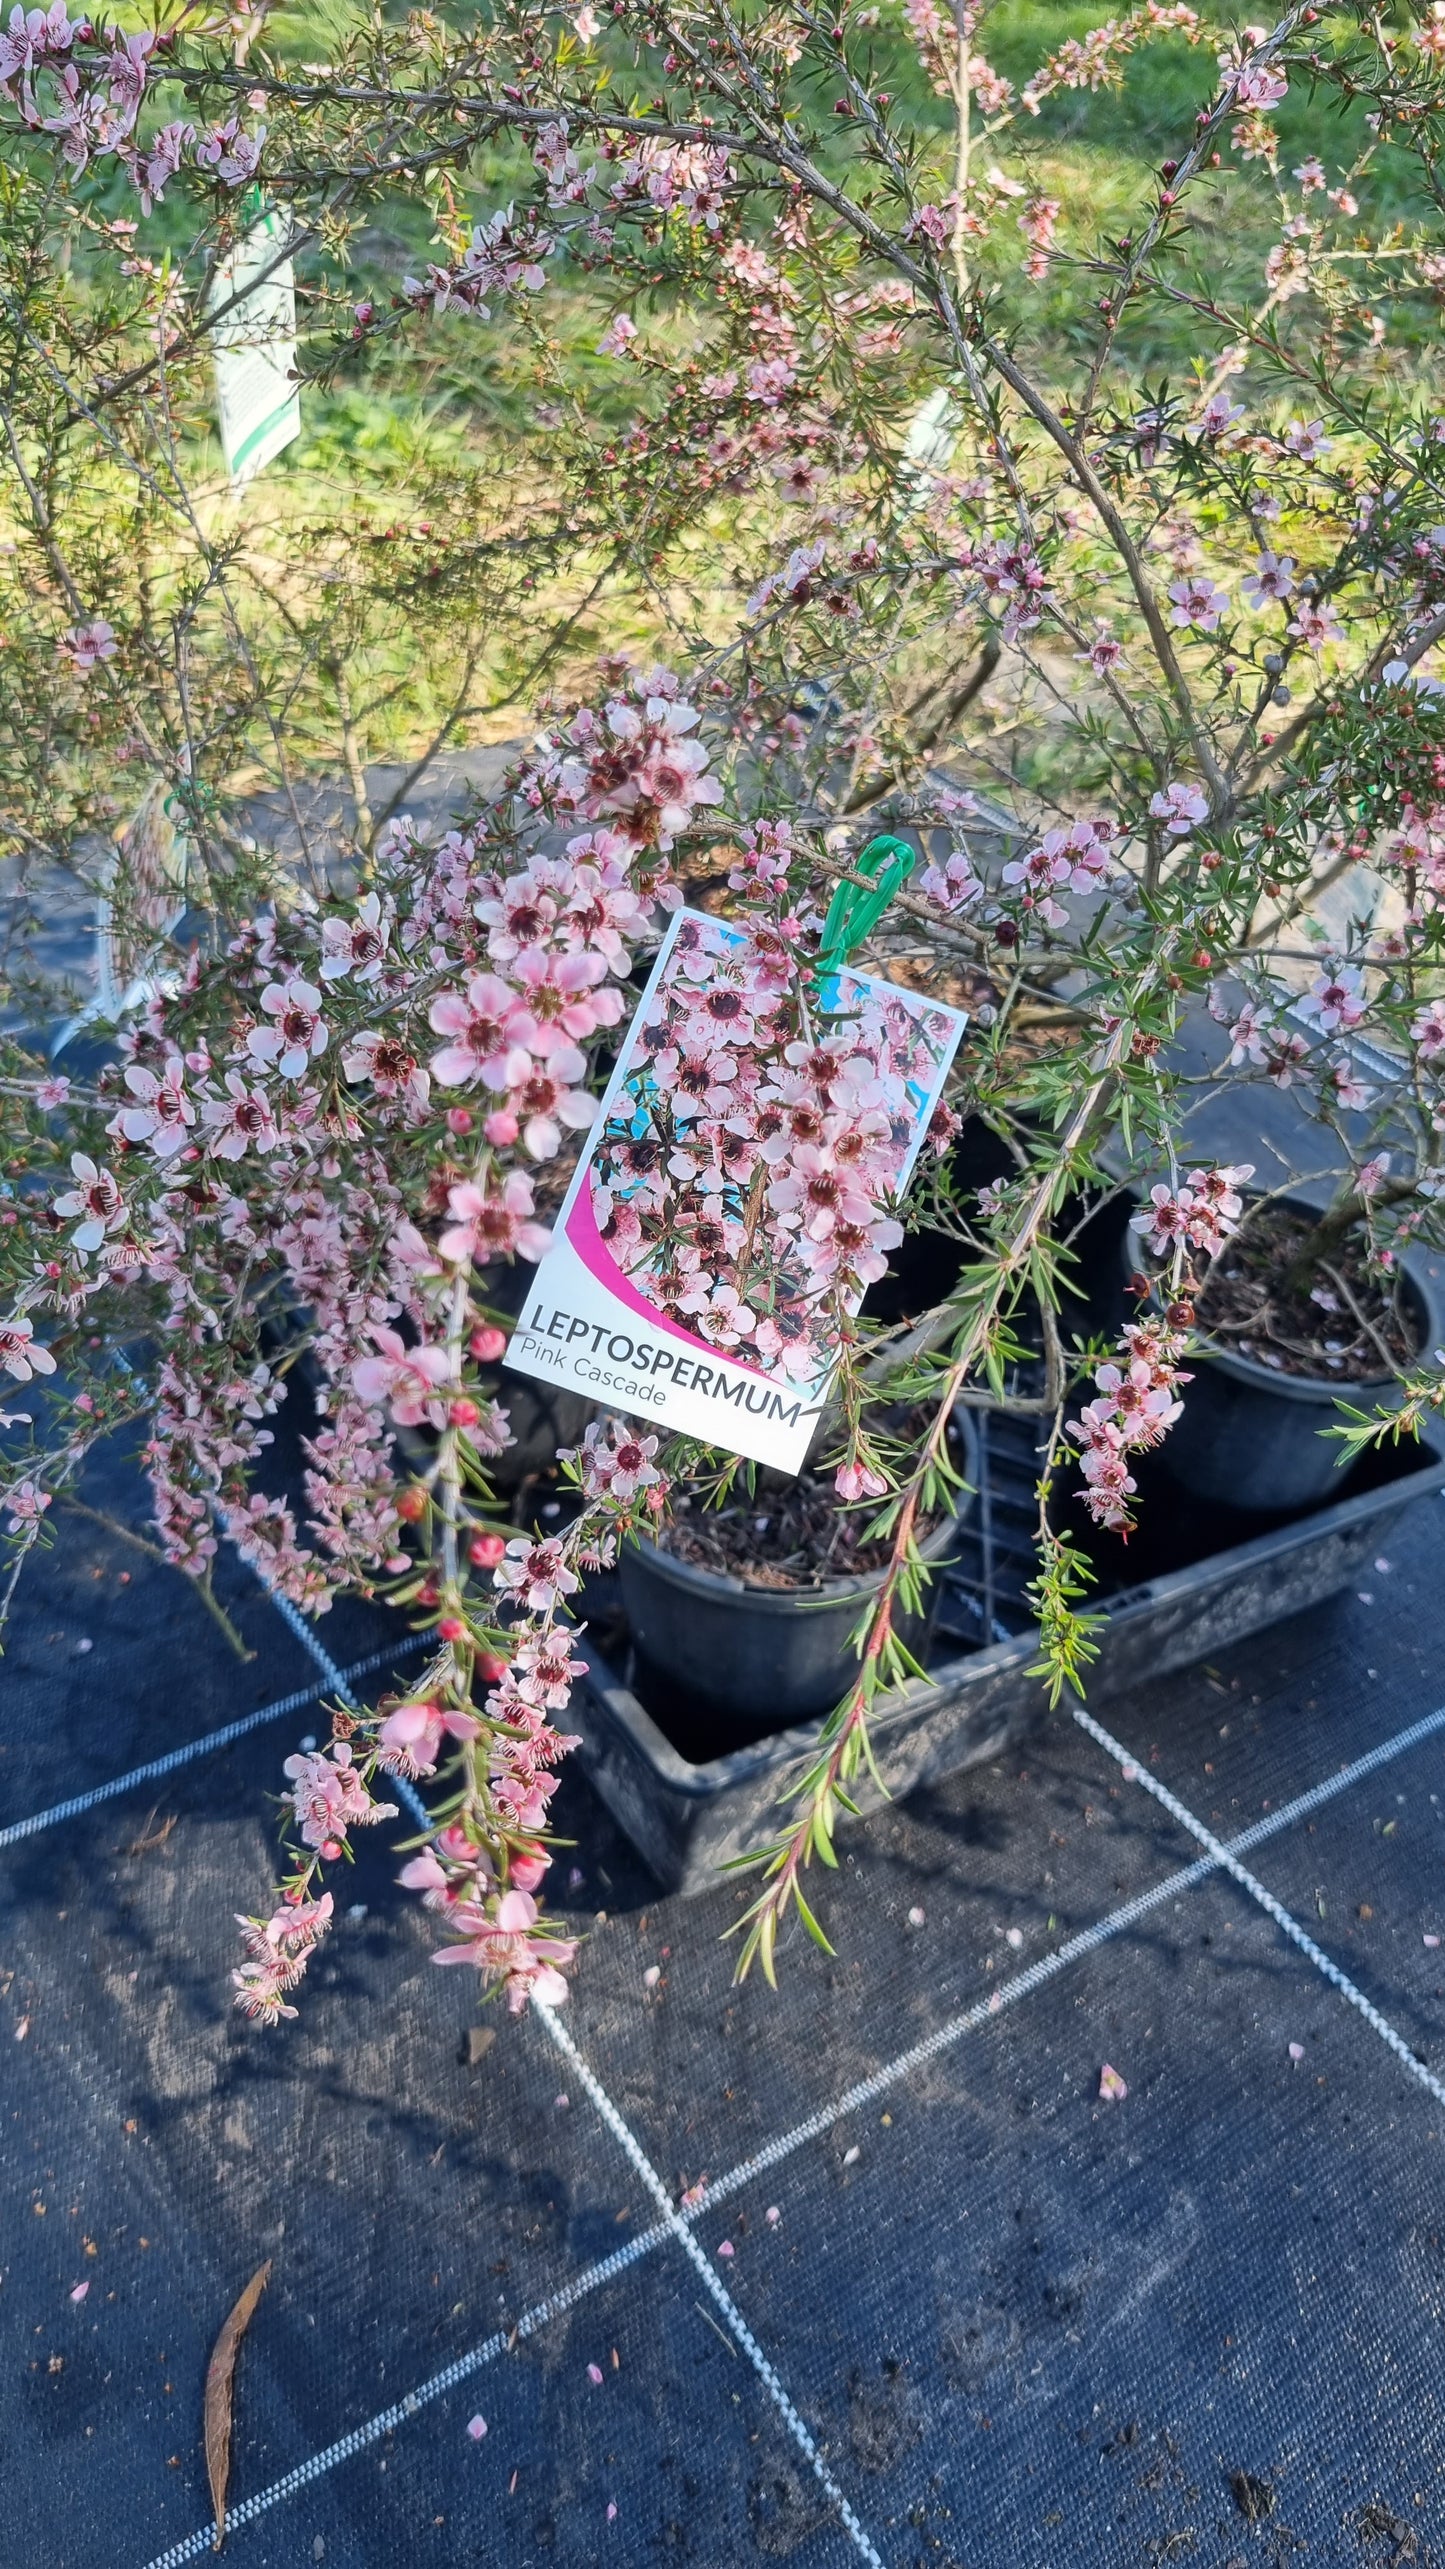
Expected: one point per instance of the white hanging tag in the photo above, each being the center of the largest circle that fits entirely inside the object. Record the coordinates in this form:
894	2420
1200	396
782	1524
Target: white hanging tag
735	1187
258	404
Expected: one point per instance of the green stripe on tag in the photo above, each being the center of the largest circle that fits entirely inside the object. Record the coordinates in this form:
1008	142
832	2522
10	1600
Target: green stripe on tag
249	444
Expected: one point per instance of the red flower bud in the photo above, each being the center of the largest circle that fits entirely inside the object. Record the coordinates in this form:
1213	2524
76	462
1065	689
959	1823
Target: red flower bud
486	1550
452	1628
487	1345
411	1505
463	1413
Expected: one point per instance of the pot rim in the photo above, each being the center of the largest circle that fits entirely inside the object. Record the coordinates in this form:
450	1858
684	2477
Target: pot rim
833	1592
1315	1388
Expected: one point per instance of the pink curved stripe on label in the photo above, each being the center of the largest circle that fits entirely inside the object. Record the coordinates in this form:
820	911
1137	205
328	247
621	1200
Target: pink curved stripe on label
586	1239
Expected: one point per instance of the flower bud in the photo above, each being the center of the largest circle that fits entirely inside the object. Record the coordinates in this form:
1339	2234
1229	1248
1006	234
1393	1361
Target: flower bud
411	1505
487	1345
501	1127
452	1628
458	1119
463	1413
486	1550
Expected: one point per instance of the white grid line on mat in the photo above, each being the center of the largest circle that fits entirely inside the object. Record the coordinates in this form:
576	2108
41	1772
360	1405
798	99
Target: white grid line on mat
387	2421
204	1746
1134	1773
672	2223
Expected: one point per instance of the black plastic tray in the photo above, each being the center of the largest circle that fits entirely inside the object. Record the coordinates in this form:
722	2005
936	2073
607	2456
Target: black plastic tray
1206	1582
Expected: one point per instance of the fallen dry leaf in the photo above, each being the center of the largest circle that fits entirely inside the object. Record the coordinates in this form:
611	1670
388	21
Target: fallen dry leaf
220	2395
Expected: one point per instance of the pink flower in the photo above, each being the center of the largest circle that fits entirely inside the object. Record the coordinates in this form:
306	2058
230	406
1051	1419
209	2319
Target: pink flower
1336	999
1271	580
1307	440
240	1121
496	1224
502	1943
329	1796
1249	1034
1219	414
298	1035
356	946
1197	601
1104	653
816	1194
96	1198
542	1103
1180	808
162	1114
231	152
406	1377
87	646
1428	1030
1315	624
492	1034
19	1355
410	1738
1257	85
614	1462
536	1575
859	1481
27	1503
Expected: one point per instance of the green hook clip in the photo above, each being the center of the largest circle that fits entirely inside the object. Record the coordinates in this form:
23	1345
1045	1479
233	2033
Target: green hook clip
854	912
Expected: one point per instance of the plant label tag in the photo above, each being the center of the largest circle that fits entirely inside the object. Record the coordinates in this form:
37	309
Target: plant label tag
736	1197
259	405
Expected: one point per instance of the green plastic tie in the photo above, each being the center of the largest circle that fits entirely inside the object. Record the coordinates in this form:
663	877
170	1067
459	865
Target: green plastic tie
855	910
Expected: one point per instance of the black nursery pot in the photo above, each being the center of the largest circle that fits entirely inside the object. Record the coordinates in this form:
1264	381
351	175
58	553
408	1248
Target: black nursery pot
1258	1441
758	1660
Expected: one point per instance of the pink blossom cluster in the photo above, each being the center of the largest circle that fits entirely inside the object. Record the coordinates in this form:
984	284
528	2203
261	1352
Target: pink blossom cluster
745	1175
637	766
355	1099
1200	1213
1096	60
85	84
1137	1405
503	257
1075	858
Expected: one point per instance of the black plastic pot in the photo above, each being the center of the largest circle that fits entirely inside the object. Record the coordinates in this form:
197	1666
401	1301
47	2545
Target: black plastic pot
1258	1441
1205	1585
751	1660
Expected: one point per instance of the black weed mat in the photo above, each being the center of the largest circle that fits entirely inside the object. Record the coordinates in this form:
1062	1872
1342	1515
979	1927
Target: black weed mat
957	2307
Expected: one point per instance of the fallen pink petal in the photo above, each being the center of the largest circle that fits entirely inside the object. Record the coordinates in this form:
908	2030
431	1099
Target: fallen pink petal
79	2291
1111	2086
1296	2051
594	2374
726	2248
476	2428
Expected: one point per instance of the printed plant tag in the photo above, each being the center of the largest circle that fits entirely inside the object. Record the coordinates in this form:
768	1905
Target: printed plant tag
735	1198
258	402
